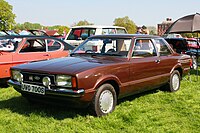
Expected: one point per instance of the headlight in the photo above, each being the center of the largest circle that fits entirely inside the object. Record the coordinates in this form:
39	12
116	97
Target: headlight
46	81
16	75
64	80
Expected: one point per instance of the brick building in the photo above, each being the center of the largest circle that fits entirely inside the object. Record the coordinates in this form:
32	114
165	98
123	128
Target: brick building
164	26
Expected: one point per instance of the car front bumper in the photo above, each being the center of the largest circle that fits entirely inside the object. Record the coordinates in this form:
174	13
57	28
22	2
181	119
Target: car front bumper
56	92
58	96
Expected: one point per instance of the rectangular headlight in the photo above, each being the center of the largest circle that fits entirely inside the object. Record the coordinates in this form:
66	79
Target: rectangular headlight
16	75
64	80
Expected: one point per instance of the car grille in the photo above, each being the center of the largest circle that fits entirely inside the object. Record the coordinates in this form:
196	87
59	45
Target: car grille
36	78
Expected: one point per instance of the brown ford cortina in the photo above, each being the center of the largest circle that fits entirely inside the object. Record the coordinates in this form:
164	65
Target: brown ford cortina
101	70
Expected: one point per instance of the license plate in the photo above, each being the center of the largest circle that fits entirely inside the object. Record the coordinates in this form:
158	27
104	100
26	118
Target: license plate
33	88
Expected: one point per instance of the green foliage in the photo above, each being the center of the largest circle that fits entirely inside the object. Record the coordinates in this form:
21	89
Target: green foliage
152	30
61	29
127	23
153	111
6	16
37	26
27	26
190	35
84	22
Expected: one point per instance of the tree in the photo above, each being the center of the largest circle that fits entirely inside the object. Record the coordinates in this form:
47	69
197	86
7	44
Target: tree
152	30
61	29
127	23
27	26
190	35
7	17
84	22
36	26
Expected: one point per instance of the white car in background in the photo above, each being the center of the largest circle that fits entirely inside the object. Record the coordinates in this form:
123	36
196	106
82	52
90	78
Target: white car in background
78	34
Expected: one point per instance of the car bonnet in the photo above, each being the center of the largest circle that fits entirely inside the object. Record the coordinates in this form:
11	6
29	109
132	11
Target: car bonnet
66	65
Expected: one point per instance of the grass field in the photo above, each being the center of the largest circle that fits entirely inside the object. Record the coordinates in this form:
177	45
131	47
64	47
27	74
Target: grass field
155	111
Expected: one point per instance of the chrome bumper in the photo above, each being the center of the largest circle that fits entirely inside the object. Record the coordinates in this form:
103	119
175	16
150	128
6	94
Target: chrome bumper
53	92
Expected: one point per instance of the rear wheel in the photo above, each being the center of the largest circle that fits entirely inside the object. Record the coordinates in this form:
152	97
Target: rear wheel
104	101
174	83
194	63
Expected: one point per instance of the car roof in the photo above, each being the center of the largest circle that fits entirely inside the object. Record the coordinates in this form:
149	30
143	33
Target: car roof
97	26
175	38
125	36
24	36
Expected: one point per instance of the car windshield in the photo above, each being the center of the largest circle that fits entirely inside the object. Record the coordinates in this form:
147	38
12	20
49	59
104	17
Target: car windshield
104	46
9	45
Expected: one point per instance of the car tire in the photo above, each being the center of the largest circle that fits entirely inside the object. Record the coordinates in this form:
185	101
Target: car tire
174	82
194	63
104	101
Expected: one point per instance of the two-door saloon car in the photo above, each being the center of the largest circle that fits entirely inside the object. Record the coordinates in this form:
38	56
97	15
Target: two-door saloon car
101	70
20	49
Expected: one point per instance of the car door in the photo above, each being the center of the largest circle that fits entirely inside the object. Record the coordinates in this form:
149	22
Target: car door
31	50
167	60
5	64
144	66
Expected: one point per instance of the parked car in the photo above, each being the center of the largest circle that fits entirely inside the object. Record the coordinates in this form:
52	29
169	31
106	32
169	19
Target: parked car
52	33
187	46
16	50
9	32
78	34
172	35
101	70
193	43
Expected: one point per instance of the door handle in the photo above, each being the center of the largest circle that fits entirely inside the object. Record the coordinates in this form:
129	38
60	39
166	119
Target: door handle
157	61
46	55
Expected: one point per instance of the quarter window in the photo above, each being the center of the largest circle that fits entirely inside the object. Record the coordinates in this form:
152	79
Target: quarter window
162	47
53	45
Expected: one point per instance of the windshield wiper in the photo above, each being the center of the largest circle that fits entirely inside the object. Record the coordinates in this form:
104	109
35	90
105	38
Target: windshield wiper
85	54
111	54
95	54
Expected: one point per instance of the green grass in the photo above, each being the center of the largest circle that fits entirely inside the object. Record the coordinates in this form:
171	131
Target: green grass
155	111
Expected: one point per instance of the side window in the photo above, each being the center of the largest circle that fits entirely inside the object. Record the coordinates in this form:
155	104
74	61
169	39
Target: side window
74	34
144	48
121	31
84	34
108	31
53	45
92	32
162	47
35	45
118	46
81	34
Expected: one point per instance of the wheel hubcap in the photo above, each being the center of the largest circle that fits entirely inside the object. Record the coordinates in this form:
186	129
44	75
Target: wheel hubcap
175	82
106	101
194	64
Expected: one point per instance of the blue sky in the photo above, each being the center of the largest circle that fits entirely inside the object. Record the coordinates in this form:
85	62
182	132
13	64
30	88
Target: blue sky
101	12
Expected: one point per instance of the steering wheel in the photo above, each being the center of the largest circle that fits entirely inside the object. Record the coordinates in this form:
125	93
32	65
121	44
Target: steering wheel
89	51
111	50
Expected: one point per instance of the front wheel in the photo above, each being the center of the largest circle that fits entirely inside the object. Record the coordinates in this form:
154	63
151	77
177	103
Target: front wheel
104	101
174	83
